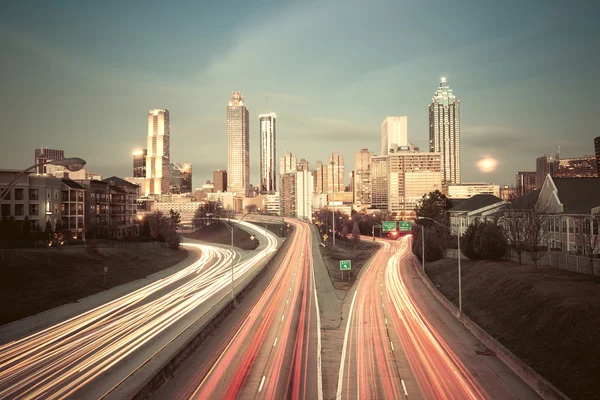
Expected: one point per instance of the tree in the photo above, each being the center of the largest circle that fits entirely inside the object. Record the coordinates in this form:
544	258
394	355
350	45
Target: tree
48	231
535	224
589	237
468	245
160	225
344	233
492	241
355	234
199	220
434	205
26	229
175	217
250	208
146	232
515	229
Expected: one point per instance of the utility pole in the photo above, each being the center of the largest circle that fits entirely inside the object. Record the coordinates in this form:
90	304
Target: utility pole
333	198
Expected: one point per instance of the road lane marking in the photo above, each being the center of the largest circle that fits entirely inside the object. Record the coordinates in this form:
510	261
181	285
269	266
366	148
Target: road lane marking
392	344
343	361
382	305
319	366
282	317
262	382
385	321
275	342
404	387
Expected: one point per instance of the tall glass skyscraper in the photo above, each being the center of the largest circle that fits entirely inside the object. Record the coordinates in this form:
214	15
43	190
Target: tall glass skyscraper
238	145
158	172
268	157
444	132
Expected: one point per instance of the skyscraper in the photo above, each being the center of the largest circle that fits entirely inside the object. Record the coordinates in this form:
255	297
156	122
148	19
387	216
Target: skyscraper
380	176
321	178
268	157
44	154
335	173
238	145
444	132
576	167
544	165
394	131
220	181
362	177
287	163
181	178
525	182
158	172
303	165
139	163
597	149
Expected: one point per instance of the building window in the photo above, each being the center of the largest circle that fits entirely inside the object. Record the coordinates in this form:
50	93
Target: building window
19	209
19	194
56	193
7	195
34	194
56	209
5	210
34	209
564	226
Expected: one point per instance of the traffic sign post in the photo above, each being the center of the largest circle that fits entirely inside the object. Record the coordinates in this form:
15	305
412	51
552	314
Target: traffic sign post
405	226
389	226
345	265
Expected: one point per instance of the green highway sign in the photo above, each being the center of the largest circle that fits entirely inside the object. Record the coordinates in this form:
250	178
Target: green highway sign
389	226
405	226
345	265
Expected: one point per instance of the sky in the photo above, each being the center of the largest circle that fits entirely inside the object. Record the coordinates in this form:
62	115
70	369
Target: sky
81	76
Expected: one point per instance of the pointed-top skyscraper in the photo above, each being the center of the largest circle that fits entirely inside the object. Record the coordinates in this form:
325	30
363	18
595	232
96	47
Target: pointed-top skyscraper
444	132
238	145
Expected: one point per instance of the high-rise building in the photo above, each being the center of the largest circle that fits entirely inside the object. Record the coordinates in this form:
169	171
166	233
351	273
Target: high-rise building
467	190
321	178
597	150
380	176
220	181
411	175
238	145
362	177
296	196
394	133
335	173
545	165
181	178
576	167
525	182
444	132
508	192
158	172
268	157
287	163
44	154
139	163
303	165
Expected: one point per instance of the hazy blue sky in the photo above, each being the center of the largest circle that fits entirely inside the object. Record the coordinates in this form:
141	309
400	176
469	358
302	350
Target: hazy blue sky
81	76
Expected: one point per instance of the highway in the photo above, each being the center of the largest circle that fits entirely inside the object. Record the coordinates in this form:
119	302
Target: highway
271	348
400	345
91	353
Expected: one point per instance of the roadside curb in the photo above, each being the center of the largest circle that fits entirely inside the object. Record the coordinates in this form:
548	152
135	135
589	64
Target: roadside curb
539	384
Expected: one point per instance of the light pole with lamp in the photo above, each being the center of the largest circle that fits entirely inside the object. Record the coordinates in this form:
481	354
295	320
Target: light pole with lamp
458	255
333	199
73	164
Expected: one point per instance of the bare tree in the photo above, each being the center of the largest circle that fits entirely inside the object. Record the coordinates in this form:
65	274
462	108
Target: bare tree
160	225
536	223
250	208
589	236
514	225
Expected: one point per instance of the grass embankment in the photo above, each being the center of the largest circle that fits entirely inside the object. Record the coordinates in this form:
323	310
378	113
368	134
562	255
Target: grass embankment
35	280
344	250
219	233
549	319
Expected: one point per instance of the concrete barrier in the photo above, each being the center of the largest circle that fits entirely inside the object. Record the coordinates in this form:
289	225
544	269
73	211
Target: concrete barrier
149	377
540	385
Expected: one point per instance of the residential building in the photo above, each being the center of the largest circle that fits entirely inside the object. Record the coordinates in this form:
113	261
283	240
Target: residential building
181	178
268	153
335	173
44	154
362	178
545	165
525	182
380	176
62	172
273	205
466	190
287	194
509	192
220	181
480	207
296	196
139	163
238	145
158	172
321	178
303	165
97	207
37	197
123	208
287	163
576	167
72	208
138	182
227	200
394	133
444	132
597	151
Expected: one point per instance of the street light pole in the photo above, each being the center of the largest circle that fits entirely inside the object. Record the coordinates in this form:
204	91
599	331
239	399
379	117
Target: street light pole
333	198
423	246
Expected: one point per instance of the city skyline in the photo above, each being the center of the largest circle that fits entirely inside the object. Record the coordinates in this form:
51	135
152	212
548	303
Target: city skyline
499	59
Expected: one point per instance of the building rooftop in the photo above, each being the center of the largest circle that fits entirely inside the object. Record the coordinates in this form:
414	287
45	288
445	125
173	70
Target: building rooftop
578	195
476	202
526	202
72	184
116	181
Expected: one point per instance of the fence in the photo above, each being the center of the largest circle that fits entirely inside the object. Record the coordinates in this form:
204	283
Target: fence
128	245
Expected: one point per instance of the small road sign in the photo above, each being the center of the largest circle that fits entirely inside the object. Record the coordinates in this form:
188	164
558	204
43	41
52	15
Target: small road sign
325	237
389	226
345	265
405	226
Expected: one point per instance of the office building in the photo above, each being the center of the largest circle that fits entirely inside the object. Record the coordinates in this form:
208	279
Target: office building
467	190
158	171
303	165
296	196
362	178
268	153
238	145
444	132
321	178
525	182
220	181
273	203
139	163
287	163
44	154
597	151
380	176
576	167
181	178
545	165
335	173
394	133
509	192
